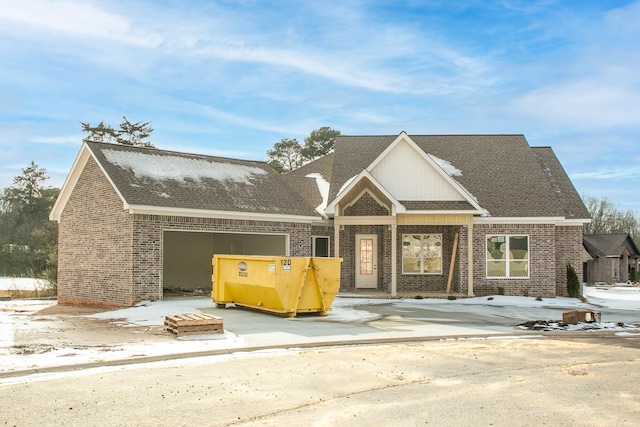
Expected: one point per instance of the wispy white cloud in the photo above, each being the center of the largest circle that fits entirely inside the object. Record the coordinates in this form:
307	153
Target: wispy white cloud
593	83
80	19
57	140
232	78
617	174
245	121
372	59
584	104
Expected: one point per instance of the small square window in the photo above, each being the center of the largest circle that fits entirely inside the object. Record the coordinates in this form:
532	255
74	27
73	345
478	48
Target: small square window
320	246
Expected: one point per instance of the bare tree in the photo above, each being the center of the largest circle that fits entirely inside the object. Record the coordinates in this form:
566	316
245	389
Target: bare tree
607	218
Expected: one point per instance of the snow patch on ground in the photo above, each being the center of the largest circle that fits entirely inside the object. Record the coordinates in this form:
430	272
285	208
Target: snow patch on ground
153	313
622	297
21	284
345	310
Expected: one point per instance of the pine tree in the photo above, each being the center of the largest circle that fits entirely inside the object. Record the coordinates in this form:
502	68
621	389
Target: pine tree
136	134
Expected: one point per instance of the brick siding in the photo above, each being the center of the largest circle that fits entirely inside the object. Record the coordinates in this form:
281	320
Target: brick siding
95	244
366	206
107	256
430	282
568	251
542	260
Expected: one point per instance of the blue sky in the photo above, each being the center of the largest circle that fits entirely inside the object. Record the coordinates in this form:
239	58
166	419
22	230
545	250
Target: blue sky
232	78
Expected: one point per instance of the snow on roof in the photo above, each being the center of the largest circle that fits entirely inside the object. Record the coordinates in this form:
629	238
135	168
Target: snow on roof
446	166
323	188
162	167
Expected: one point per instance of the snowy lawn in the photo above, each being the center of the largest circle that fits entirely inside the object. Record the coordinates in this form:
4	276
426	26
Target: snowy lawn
21	284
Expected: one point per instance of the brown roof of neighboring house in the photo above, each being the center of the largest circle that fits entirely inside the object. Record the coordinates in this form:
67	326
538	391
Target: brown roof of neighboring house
167	179
502	172
610	245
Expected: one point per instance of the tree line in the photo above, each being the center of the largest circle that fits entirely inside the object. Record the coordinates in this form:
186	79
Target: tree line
28	240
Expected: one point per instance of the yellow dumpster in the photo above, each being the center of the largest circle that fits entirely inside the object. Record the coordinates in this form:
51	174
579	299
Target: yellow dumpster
276	284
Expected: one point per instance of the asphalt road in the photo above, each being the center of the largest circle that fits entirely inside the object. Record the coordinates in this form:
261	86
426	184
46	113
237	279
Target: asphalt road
588	381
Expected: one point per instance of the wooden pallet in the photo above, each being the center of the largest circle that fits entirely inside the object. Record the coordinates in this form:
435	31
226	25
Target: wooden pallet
198	323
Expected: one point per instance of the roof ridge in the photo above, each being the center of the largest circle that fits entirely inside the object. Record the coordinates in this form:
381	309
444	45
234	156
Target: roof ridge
181	153
433	134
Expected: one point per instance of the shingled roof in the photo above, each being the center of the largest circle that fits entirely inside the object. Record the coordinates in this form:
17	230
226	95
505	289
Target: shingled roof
167	179
309	180
564	190
610	245
503	173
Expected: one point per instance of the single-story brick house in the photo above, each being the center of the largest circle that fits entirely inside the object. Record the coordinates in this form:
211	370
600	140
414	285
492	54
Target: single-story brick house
613	258
460	214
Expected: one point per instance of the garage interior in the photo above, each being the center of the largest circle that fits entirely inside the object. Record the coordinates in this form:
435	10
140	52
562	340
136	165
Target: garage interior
186	264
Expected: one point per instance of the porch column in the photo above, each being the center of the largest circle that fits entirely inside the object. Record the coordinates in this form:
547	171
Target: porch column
470	259
394	264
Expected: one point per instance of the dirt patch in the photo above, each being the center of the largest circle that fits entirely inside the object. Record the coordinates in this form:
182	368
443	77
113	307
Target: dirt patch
39	327
72	310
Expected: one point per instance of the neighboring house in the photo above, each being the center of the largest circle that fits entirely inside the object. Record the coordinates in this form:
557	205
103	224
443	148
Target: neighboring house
614	258
459	214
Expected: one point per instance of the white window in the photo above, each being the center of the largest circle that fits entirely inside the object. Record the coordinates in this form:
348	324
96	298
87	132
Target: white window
319	246
422	254
508	256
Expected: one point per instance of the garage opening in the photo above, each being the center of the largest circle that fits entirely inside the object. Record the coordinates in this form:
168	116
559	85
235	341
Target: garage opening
186	264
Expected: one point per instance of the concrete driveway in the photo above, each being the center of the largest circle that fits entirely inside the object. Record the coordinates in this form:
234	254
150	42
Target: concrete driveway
47	336
366	320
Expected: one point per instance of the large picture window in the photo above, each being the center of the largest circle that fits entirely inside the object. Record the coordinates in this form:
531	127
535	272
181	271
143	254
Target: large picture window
422	254
508	256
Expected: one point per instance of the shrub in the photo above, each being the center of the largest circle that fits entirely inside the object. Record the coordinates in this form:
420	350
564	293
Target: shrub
573	284
500	290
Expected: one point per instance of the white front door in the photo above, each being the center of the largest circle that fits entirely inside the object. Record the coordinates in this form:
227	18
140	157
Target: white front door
366	261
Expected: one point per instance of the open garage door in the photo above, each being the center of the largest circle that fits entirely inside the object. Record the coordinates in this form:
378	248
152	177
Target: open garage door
187	255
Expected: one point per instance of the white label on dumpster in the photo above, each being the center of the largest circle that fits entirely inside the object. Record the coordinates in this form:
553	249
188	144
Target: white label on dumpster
286	264
272	267
242	269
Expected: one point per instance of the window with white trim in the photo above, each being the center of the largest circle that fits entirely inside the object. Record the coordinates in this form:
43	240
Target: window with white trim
319	246
508	256
422	254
